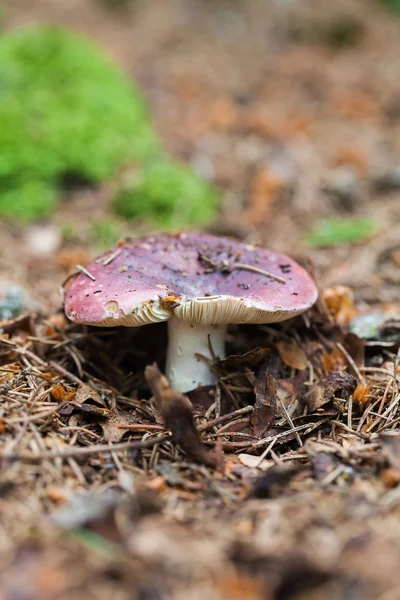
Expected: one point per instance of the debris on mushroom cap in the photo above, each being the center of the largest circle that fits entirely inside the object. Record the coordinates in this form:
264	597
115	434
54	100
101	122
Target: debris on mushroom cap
197	277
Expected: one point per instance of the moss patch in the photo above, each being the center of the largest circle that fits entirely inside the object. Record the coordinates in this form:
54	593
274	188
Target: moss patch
168	193
68	113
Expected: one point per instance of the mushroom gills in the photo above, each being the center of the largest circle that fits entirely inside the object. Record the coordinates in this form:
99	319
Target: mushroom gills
185	370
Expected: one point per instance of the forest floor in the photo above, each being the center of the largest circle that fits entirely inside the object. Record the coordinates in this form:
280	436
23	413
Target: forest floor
294	113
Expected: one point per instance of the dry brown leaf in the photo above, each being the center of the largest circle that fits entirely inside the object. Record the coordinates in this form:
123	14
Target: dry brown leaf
177	412
362	394
292	355
250	359
85	393
8	372
116	425
390	477
287	393
265	405
62	394
335	361
340	303
341	384
84	399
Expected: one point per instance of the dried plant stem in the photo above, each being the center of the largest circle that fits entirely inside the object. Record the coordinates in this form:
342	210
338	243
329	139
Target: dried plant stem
253	269
29	457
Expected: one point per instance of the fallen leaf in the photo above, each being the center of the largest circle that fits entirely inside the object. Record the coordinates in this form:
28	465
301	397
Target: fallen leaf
249	359
116	425
84	399
61	393
362	394
324	390
335	361
85	393
265	405
287	393
177	413
202	398
292	355
390	477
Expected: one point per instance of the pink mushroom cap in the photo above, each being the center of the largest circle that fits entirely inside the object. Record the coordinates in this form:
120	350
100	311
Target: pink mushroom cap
201	278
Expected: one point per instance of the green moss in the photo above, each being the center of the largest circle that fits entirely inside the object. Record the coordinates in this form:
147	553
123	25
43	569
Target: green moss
68	114
65	109
168	194
27	200
333	232
392	5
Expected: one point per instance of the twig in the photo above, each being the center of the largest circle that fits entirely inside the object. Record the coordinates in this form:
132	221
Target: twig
289	420
111	257
245	267
29	457
141	427
224	418
86	272
35	417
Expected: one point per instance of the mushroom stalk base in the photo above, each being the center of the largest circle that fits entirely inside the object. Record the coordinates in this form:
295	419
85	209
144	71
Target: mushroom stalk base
184	369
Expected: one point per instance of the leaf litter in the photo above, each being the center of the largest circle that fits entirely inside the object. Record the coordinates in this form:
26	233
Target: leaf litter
282	425
326	522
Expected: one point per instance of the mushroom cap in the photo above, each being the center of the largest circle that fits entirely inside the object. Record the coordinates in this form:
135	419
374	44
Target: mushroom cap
194	276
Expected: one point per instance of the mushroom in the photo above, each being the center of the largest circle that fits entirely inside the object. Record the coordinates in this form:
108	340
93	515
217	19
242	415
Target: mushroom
199	283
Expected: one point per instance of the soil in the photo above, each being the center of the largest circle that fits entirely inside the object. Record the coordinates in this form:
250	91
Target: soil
285	482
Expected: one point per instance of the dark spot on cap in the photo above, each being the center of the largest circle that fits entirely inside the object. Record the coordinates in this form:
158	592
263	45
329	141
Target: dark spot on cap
285	268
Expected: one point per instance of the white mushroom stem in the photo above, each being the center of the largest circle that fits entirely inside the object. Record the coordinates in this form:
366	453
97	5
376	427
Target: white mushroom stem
184	369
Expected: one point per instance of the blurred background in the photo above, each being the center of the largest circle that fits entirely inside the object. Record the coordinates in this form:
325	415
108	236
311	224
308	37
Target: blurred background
271	120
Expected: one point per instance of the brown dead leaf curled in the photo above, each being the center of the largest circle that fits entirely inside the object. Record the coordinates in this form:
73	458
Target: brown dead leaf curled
362	394
85	393
116	425
265	404
249	359
340	383
83	399
292	355
340	303
62	394
177	413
